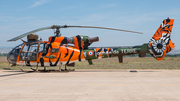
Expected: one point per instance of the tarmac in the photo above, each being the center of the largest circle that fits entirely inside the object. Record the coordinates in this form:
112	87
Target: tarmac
91	85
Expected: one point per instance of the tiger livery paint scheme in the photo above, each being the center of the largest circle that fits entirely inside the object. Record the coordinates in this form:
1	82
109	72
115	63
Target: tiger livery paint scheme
60	50
160	44
56	51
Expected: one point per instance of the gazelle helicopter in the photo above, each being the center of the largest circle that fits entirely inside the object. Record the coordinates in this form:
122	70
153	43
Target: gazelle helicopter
57	51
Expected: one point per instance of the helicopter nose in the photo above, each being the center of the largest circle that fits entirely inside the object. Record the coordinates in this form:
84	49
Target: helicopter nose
8	58
11	58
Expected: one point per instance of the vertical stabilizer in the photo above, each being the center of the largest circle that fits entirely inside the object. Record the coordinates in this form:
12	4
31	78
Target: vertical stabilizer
160	44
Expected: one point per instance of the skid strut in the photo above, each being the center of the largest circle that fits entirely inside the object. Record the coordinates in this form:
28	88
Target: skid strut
50	70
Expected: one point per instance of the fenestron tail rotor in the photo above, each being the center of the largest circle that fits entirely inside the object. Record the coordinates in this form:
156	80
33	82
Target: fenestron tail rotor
57	27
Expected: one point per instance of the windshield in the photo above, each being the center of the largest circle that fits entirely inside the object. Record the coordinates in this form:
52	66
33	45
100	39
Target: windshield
13	54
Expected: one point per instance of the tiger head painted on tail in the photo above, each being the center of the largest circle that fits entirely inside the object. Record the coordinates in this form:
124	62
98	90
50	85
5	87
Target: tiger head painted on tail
160	44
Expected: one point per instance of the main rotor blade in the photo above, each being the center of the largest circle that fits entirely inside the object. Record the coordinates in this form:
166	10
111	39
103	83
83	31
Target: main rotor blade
65	26
28	33
106	28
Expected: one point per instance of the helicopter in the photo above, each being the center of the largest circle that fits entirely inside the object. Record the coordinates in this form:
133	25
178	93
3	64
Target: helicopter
60	50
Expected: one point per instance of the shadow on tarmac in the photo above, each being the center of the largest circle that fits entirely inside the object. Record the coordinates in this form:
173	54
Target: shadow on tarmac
131	71
11	74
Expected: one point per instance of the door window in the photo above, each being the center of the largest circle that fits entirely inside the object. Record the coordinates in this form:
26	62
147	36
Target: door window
42	48
29	52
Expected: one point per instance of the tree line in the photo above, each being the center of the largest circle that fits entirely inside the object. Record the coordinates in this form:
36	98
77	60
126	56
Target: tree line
3	54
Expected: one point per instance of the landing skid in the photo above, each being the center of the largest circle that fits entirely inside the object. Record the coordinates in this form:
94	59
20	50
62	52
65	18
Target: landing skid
50	70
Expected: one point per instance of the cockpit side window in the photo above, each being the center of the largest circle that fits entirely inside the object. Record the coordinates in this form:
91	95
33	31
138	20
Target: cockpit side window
42	48
29	52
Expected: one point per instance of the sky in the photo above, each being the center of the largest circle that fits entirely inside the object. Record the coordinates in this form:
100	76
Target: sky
20	16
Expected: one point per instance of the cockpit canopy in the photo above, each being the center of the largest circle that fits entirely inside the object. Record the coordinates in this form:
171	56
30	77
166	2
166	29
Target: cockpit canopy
27	51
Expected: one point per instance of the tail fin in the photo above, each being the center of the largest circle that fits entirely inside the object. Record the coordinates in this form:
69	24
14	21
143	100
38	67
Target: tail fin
160	44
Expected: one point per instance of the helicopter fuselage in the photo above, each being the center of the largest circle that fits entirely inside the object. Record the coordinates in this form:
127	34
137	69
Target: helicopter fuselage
57	51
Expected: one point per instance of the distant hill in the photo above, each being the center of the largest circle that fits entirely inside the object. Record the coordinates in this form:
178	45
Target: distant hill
175	51
5	49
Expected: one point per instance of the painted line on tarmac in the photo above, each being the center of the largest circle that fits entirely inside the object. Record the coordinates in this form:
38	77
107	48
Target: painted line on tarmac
133	85
21	84
170	85
110	84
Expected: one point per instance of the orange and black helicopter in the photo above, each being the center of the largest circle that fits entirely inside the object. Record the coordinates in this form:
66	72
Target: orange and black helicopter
60	50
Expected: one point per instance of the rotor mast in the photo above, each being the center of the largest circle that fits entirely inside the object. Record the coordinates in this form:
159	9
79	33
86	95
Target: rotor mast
57	27
57	32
